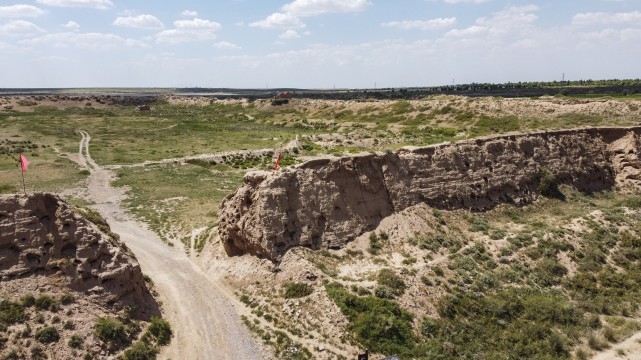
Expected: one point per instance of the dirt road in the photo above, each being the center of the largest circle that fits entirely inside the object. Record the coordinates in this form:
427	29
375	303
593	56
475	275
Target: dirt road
203	319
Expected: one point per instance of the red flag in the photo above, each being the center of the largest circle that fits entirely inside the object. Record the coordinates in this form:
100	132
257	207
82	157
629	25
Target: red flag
24	162
277	161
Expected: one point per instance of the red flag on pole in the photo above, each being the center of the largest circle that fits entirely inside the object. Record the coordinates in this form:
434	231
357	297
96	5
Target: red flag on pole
277	161
24	162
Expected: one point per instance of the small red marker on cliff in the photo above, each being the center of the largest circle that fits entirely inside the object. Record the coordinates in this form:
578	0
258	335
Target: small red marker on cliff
277	161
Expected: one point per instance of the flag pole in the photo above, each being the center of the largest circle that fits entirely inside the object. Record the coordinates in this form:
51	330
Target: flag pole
24	187
23	167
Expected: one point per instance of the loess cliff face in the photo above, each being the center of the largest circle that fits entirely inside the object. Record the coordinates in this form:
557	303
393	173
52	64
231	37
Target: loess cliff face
40	235
329	202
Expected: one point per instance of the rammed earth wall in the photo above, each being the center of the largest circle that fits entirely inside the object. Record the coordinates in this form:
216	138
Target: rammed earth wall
328	202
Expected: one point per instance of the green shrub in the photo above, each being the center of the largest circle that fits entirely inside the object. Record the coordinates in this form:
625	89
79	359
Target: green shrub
375	244
110	330
12	313
295	290
389	279
548	184
47	334
37	353
28	300
140	351
75	341
161	330
67	299
45	302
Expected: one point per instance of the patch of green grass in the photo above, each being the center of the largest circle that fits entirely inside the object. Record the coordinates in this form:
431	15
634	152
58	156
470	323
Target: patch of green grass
294	290
378	324
490	125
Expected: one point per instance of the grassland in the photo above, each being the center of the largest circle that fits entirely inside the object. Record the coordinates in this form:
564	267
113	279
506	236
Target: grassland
556	279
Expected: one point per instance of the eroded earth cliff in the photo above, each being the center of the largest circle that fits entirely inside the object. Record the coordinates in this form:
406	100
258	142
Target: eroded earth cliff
41	236
326	203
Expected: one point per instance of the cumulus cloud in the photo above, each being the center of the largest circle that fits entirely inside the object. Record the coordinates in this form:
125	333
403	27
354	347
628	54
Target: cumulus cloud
511	25
20	11
189	13
72	25
289	35
279	21
289	16
304	8
96	4
189	31
225	45
603	18
92	41
20	28
431	24
144	21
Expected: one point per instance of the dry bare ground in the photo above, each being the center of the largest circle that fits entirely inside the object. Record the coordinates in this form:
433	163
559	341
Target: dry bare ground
203	318
630	349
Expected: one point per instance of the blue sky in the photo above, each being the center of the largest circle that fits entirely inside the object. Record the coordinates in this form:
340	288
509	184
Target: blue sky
314	43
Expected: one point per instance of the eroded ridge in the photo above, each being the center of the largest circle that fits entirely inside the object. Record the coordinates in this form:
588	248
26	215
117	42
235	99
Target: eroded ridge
40	235
326	203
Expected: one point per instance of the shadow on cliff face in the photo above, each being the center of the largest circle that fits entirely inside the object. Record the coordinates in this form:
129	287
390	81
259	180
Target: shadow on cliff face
41	236
326	203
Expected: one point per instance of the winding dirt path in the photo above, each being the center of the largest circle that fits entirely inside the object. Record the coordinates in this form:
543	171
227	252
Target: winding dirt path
203	318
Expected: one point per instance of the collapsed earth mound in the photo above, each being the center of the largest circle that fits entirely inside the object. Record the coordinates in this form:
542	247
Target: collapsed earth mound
40	235
328	202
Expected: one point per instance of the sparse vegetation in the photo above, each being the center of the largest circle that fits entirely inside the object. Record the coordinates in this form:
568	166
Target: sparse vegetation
47	334
295	290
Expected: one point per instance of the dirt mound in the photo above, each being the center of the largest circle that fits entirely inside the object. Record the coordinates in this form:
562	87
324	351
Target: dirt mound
329	202
40	235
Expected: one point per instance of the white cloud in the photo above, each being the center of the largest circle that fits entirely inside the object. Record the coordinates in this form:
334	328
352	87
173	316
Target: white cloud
305	8
144	21
189	13
92	41
71	25
290	14
20	11
431	24
188	31
279	21
474	30
96	4
197	24
511	17
610	36
466	1
594	18
20	28
289	35
225	45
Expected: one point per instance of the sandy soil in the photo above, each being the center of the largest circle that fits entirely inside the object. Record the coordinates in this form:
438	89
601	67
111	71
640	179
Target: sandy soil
203	318
631	350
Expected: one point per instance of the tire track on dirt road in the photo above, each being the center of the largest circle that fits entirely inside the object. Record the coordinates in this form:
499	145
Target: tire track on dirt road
202	317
